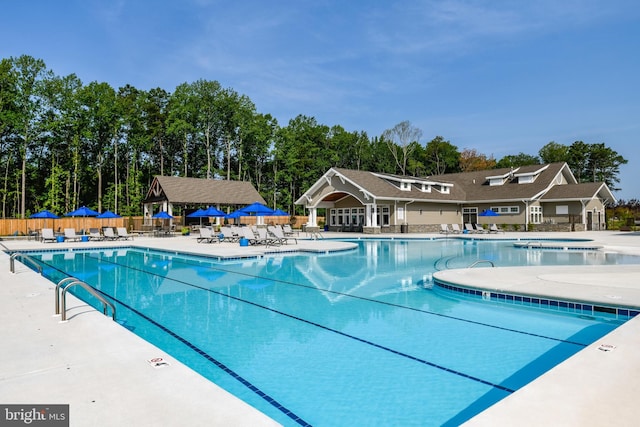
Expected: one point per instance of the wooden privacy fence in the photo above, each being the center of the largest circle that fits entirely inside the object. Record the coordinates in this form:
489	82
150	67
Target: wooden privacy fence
23	227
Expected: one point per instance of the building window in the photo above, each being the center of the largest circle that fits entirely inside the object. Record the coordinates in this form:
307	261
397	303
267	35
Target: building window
382	214
505	210
535	214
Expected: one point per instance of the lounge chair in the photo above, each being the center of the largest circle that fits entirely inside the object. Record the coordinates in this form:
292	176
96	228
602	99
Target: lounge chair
288	231
495	229
208	236
123	234
468	227
229	234
480	229
456	228
265	239
47	235
94	234
109	234
279	235
70	234
444	228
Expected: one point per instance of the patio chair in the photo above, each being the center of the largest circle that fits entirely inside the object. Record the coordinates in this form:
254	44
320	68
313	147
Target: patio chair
288	231
47	235
444	228
468	227
123	234
279	235
480	229
207	235
495	229
265	239
456	228
230	234
108	233
94	234
70	234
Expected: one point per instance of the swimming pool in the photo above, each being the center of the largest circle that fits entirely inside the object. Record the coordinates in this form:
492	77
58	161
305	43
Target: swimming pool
353	338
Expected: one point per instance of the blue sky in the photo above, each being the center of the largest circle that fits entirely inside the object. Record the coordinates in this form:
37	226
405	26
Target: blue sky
501	77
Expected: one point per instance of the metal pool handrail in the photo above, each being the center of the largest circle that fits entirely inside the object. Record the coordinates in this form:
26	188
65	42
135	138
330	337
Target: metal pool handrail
69	284
12	262
480	261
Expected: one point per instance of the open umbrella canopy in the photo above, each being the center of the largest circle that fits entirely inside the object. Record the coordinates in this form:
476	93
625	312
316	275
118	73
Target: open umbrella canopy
211	211
279	212
45	214
488	212
196	214
236	214
257	209
162	215
108	214
83	211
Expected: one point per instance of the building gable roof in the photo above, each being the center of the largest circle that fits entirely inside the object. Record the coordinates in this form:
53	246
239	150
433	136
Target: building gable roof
197	191
531	182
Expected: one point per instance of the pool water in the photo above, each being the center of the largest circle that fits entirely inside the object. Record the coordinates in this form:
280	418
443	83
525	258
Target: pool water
346	338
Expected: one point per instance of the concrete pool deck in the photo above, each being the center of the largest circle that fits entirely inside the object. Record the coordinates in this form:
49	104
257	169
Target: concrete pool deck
107	376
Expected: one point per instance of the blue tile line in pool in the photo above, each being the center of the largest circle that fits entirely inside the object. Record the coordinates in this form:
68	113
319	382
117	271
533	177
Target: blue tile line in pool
581	308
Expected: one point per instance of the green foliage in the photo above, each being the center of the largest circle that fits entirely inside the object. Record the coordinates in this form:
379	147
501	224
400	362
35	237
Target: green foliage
64	143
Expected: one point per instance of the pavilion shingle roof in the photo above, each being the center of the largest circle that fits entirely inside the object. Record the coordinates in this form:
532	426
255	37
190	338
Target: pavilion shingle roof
467	186
197	191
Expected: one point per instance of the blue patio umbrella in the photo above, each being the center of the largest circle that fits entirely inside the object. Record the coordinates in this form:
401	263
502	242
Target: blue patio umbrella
257	209
211	211
236	214
108	215
45	214
196	214
84	212
488	212
163	215
279	212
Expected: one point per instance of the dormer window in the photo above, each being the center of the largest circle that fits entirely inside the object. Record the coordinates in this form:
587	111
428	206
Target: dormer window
426	188
405	186
444	189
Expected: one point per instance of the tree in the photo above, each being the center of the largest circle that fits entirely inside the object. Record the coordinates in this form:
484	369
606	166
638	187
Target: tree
442	156
514	161
30	76
399	140
604	165
471	160
553	153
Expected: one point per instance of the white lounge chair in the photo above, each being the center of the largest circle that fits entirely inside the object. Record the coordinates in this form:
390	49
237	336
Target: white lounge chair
279	235
480	229
288	231
456	228
444	228
109	234
94	234
47	235
230	234
208	236
495	229
70	234
123	234
468	227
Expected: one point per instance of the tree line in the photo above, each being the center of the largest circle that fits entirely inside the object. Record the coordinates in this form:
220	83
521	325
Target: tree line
64	144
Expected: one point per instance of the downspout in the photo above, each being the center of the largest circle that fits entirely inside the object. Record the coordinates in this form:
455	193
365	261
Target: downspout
406	213
526	215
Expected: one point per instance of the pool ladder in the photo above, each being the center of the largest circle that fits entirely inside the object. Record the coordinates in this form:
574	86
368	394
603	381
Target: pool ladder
482	261
23	257
61	299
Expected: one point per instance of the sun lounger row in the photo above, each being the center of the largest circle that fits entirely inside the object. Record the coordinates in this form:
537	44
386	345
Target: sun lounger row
94	234
469	228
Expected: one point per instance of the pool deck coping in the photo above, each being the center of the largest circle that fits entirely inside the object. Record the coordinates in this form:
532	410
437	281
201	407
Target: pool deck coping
105	374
